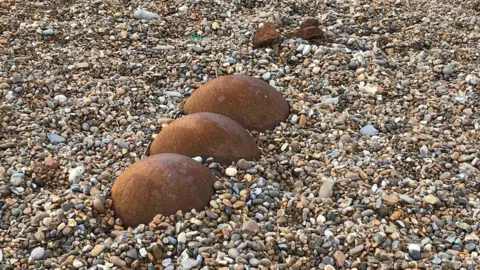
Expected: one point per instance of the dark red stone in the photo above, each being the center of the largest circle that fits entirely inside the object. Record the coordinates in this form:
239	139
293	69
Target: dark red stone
309	23
307	33
265	35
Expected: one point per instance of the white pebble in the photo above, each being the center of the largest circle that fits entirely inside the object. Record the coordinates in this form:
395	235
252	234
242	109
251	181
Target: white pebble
37	253
143	252
266	76
231	171
198	159
60	98
17	179
76	175
77	264
306	50
188	264
182	237
183	8
141	14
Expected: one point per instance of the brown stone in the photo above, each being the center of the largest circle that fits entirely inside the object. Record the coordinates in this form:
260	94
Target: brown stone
390	199
265	35
396	214
306	33
98	206
310	22
303	120
161	184
339	257
251	102
207	135
250	227
51	163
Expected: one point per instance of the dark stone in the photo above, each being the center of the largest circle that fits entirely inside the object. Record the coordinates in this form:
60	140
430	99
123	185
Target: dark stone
17	79
39	182
415	254
353	65
132	253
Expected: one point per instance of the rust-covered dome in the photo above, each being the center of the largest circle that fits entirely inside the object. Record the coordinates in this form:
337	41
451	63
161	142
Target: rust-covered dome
161	184
207	135
251	102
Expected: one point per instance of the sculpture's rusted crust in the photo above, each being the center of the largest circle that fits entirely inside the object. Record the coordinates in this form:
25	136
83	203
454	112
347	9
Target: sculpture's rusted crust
251	102
161	184
206	135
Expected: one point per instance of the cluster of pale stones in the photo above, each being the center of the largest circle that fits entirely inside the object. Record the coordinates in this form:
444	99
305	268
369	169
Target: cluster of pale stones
219	116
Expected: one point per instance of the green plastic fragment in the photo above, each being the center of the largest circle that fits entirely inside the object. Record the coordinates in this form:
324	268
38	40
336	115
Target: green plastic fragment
196	37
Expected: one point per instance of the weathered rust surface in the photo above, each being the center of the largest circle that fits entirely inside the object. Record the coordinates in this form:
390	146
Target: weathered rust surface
161	184
251	102
207	135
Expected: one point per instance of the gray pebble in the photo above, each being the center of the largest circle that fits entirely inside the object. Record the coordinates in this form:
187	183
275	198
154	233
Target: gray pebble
37	253
86	126
188	264
17	179
54	138
141	14
262	62
447	70
47	32
353	64
233	253
266	76
356	249
368	130
198	49
17	79
132	253
254	262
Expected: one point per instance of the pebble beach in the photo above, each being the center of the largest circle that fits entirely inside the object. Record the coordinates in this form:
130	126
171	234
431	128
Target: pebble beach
376	167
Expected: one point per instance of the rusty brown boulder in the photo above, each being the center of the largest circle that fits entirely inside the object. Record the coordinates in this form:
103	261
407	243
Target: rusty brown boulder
207	135
251	102
161	184
265	35
310	22
308	29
